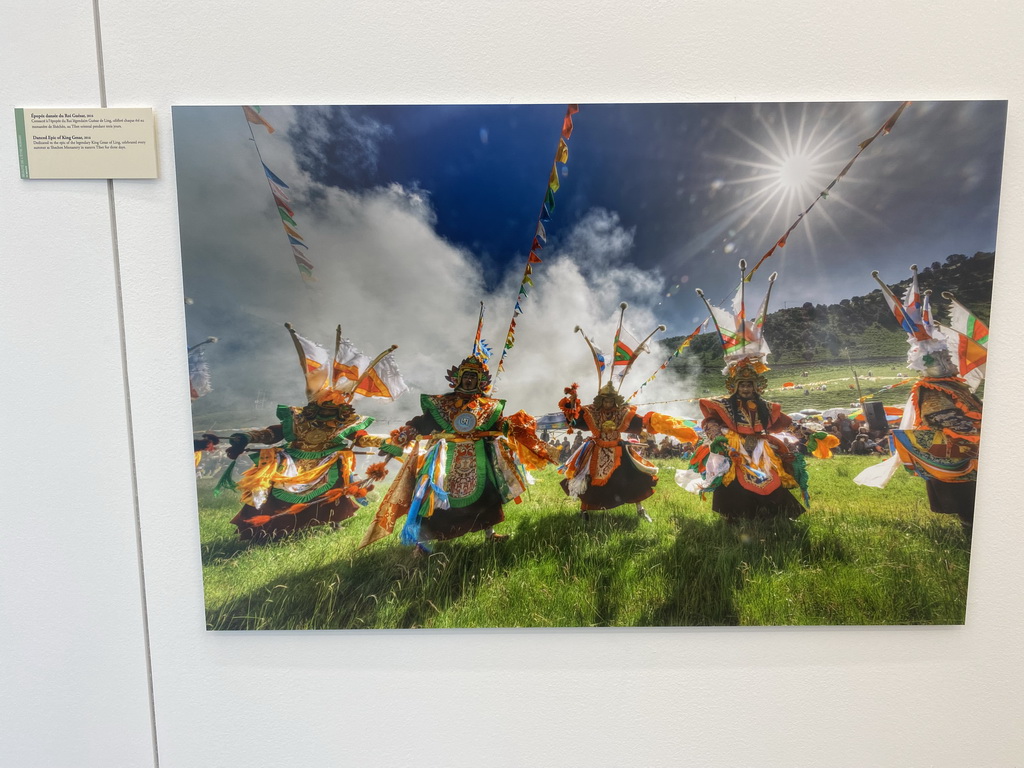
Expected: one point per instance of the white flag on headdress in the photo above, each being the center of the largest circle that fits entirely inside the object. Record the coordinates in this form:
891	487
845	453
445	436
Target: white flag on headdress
969	356
967	338
316	363
383	380
349	362
627	349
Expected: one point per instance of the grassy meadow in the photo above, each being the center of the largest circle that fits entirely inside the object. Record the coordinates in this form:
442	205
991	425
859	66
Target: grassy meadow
841	388
858	556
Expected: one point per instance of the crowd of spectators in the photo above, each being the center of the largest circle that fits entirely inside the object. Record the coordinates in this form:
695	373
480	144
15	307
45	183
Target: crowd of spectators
854	438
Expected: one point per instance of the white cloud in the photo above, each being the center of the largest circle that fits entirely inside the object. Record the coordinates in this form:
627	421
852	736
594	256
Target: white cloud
387	277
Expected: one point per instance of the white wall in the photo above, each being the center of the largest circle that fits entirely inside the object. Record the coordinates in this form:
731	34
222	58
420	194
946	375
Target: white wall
73	640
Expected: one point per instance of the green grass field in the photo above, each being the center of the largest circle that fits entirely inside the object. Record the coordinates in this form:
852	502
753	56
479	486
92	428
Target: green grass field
859	556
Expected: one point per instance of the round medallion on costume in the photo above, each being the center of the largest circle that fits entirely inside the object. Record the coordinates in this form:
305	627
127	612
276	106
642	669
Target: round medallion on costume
464	422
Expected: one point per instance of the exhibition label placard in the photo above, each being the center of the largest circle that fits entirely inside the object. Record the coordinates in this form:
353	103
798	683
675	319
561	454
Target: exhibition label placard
86	143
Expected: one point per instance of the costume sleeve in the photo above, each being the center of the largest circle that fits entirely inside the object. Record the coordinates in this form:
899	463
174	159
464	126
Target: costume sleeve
522	436
660	424
635	425
423	424
363	440
269	436
780	421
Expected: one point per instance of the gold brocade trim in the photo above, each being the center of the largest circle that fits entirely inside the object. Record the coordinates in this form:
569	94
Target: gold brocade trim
469	437
370	441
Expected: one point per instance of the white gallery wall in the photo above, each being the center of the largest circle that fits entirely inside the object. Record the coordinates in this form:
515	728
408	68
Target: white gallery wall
104	656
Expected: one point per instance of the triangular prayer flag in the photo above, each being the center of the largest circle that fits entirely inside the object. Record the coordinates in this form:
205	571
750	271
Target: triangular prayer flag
278	192
545	214
529	268
282	204
293	241
284	216
542	233
292	232
536	245
534	258
553	183
299	259
549	199
273	177
527	280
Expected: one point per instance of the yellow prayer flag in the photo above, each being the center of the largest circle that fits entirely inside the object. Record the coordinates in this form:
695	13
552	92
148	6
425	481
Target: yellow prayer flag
256	119
562	155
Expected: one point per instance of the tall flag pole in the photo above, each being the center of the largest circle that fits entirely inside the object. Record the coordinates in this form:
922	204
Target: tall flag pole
540	236
884	130
281	200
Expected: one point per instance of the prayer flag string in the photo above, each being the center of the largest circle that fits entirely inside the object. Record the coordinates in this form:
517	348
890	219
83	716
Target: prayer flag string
281	200
540	236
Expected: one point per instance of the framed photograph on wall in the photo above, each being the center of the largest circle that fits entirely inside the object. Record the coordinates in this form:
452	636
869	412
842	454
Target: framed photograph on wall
587	365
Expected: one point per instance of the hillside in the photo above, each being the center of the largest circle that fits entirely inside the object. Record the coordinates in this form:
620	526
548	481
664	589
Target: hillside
860	328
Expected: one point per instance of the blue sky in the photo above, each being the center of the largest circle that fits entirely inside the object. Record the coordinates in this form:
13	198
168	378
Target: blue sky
674	173
433	208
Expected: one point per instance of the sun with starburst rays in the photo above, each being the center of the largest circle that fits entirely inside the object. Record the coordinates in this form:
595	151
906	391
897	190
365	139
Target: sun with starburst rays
794	157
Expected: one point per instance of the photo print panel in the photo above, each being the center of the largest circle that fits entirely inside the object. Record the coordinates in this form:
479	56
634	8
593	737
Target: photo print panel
587	365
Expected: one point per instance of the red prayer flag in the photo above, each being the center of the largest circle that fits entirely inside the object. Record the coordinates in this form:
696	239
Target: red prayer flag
567	122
